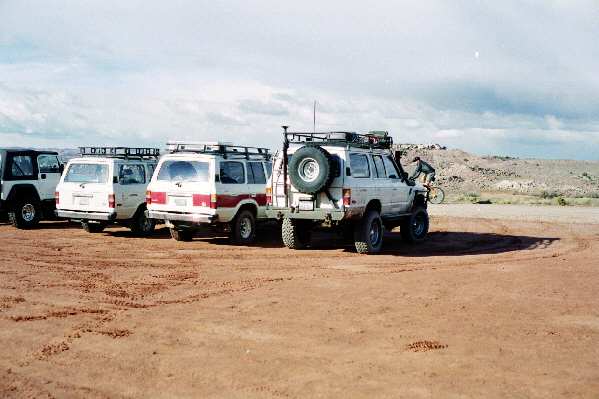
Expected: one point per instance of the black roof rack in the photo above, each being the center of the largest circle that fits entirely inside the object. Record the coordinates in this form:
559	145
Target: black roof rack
373	139
226	150
120	152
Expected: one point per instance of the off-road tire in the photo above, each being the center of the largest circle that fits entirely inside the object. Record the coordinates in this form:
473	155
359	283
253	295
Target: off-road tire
142	225
311	169
296	233
26	213
181	234
365	240
93	227
415	228
238	233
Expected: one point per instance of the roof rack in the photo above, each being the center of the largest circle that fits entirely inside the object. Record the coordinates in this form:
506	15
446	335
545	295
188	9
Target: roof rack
226	150
120	152
372	139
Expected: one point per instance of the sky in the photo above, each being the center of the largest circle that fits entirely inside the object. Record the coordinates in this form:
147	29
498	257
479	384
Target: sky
516	78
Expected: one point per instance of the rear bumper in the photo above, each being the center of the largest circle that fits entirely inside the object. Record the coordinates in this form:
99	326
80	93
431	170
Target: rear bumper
294	213
189	218
80	215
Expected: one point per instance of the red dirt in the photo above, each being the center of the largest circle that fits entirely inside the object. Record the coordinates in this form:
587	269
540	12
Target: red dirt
486	308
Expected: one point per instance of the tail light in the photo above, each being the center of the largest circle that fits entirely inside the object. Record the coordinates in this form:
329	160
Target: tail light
346	196
111	201
156	198
207	200
269	195
148	197
57	197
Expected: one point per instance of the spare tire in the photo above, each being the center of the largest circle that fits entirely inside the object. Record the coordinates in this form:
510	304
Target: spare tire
311	169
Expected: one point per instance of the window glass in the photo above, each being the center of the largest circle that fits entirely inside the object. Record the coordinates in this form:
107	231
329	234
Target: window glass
378	166
22	166
392	172
48	163
188	171
268	167
256	173
87	173
232	172
359	165
151	168
132	174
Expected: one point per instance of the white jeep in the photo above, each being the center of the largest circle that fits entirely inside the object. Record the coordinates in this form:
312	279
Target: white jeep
210	184
347	181
107	185
28	179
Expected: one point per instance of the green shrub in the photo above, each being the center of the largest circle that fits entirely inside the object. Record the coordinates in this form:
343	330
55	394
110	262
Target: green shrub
561	201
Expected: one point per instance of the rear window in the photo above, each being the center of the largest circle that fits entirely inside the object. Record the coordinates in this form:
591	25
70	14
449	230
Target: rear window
87	173
189	171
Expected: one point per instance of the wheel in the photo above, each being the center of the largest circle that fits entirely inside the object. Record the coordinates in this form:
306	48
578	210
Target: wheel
436	195
243	228
181	234
296	233
368	233
416	227
93	227
311	169
142	225
26	214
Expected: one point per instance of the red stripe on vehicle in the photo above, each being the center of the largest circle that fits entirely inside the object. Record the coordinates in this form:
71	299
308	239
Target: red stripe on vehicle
230	201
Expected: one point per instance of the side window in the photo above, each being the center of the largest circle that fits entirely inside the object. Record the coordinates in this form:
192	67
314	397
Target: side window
359	165
392	172
232	172
268	167
151	169
379	167
48	163
132	174
22	166
256	173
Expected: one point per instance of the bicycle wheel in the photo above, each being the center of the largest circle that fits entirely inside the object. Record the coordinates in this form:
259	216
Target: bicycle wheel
436	195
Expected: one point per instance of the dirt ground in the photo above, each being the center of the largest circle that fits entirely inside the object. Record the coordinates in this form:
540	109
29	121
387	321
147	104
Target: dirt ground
485	308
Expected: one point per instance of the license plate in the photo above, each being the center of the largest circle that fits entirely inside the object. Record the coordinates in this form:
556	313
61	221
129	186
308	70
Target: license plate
306	205
83	201
180	202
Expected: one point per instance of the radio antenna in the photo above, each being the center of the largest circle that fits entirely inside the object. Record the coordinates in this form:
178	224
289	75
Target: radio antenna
314	113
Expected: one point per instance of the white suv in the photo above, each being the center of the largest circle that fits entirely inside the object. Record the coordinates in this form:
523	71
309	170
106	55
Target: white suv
347	181
210	184
107	185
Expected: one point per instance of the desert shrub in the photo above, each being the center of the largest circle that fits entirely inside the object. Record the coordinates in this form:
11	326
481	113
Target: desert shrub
594	194
562	201
548	194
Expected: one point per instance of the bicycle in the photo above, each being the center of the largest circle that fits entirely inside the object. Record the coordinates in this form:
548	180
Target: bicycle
435	194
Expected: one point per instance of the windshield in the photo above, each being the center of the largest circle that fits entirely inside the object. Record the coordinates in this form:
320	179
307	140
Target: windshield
87	173
189	171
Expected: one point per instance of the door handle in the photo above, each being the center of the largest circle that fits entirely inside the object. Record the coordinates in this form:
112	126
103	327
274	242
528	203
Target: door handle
133	195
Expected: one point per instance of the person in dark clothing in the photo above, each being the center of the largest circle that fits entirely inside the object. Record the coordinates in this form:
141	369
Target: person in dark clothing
424	169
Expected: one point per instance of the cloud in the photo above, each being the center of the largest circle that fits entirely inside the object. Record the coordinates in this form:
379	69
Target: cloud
486	77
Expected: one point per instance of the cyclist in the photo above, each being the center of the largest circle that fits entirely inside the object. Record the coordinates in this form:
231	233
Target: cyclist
424	169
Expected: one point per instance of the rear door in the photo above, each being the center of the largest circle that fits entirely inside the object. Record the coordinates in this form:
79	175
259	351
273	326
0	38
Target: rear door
384	185
360	179
232	188
131	188
85	186
48	174
182	185
256	178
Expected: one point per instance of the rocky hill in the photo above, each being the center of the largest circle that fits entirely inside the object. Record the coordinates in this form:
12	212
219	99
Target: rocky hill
462	172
